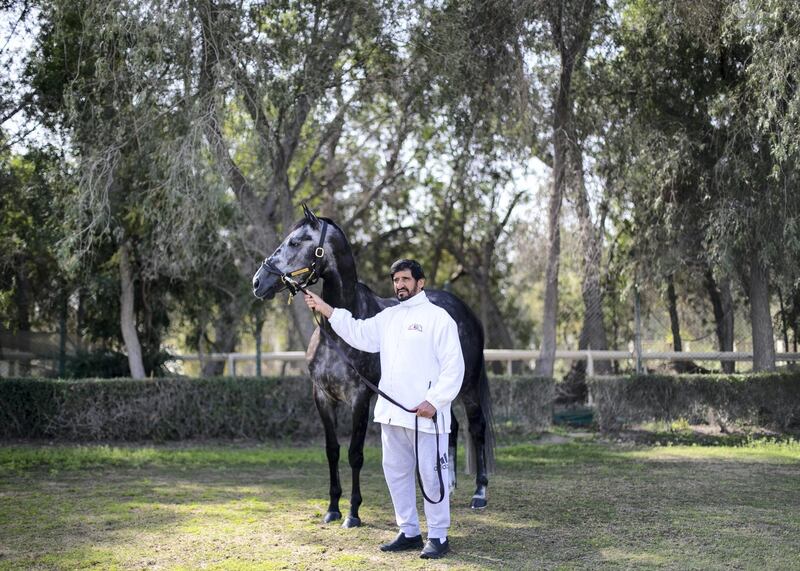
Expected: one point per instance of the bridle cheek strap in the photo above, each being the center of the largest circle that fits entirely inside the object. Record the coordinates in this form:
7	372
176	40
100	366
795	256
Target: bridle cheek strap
289	278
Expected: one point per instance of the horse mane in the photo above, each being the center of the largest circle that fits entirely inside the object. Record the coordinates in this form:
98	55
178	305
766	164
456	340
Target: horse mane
368	302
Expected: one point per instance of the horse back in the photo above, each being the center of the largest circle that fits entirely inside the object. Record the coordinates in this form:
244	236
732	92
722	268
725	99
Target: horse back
470	330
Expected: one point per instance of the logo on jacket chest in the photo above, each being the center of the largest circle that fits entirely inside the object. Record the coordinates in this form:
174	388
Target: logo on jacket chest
415	327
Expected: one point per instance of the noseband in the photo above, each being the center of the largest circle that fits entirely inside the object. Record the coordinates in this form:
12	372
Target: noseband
292	280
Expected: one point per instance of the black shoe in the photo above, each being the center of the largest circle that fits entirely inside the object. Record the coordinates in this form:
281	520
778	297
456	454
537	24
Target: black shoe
401	543
434	549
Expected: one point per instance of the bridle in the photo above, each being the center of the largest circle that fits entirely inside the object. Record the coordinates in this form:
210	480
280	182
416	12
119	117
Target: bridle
290	279
294	286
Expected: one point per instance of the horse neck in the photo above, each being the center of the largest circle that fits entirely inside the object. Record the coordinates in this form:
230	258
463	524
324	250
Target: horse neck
339	287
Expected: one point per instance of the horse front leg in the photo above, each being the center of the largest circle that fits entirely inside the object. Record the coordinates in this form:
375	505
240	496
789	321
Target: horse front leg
327	412
356	455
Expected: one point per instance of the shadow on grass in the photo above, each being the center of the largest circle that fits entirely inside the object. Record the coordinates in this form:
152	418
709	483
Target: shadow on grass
584	505
693	437
63	505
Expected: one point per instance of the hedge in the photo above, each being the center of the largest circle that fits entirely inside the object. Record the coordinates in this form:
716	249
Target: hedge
211	408
769	400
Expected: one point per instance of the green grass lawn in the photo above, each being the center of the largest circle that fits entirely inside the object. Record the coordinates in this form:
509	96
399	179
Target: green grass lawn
580	505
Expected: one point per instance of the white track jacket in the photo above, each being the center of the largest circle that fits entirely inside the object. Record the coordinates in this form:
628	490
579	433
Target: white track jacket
421	358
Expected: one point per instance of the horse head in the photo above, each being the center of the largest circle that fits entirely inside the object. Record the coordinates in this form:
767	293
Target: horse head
300	258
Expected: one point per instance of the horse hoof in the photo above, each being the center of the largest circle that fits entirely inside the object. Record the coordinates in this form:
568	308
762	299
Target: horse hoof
351	522
332	516
478	503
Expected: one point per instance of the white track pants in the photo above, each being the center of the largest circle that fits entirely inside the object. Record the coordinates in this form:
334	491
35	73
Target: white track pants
398	468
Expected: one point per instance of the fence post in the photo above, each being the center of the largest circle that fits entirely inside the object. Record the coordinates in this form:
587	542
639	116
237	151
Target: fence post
62	338
231	365
637	339
589	362
258	352
259	327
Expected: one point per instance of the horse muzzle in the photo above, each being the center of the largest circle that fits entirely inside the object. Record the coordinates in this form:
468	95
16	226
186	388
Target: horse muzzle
265	285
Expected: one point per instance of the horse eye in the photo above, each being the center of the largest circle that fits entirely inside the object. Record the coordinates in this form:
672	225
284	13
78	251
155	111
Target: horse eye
294	243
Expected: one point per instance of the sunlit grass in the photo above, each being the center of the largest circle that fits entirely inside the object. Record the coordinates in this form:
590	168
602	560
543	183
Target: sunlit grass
67	457
587	504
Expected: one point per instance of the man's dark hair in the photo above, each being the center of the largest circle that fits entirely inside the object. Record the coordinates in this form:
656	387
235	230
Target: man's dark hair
404	264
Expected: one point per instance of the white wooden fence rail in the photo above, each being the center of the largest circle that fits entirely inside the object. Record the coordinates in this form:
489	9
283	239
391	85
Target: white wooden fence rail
512	355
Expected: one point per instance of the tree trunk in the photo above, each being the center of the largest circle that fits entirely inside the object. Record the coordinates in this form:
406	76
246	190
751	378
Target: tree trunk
22	303
497	334
675	326
226	334
570	27
784	324
62	334
257	334
547	354
761	318
674	322
80	318
128	315
722	302
594	330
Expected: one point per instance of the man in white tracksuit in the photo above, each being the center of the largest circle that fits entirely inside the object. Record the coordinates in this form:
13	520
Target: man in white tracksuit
422	368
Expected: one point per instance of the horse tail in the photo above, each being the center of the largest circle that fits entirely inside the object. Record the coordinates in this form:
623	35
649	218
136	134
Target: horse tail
485	401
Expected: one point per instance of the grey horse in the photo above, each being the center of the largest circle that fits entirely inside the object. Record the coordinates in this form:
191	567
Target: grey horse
316	248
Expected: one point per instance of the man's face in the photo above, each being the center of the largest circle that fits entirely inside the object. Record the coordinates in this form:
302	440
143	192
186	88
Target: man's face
405	286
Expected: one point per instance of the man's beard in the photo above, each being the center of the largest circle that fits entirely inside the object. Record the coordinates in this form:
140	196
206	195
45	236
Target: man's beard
408	294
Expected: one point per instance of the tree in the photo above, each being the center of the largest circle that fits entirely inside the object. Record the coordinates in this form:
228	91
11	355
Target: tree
31	287
763	150
662	149
570	27
479	87
18	18
115	78
285	81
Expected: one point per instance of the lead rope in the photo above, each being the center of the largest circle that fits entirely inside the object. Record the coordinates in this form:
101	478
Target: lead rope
376	390
294	286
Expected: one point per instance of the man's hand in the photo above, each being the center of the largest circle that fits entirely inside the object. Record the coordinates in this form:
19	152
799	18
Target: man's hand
313	301
425	409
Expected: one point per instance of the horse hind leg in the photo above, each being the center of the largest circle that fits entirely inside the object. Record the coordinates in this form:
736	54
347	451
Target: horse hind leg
452	452
356	456
477	444
327	413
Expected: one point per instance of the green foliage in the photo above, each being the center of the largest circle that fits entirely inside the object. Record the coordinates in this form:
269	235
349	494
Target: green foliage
771	400
31	283
772	28
412	124
109	364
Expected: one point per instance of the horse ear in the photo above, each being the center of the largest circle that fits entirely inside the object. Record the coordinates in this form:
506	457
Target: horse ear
310	216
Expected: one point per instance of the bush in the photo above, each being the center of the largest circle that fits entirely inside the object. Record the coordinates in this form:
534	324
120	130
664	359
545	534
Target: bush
157	409
522	405
764	399
183	408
